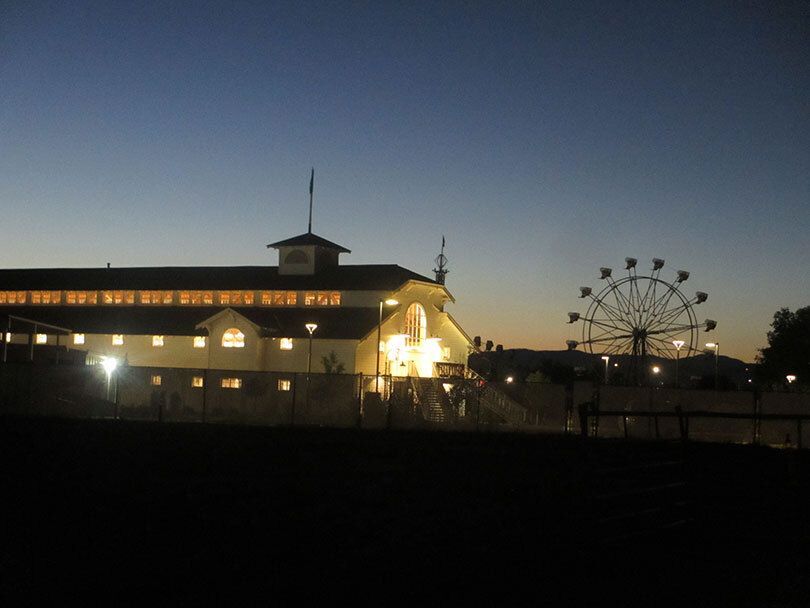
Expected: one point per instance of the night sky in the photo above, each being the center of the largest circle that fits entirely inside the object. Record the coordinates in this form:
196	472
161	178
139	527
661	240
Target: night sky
544	140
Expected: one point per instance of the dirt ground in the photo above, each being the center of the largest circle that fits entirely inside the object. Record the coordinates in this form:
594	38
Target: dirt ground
124	512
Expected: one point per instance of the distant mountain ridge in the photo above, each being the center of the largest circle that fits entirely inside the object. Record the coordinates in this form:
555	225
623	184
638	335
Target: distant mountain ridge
520	362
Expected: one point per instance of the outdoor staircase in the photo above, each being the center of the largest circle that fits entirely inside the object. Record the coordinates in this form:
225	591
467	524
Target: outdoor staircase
499	402
429	398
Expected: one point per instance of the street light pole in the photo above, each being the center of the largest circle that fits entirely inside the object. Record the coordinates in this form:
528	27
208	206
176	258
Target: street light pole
678	345
311	327
716	347
606	359
388	302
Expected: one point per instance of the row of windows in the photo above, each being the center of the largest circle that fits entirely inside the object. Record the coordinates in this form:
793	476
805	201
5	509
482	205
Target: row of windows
232	338
164	298
283	384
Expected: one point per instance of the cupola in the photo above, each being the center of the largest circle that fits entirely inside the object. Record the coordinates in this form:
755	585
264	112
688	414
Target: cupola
306	253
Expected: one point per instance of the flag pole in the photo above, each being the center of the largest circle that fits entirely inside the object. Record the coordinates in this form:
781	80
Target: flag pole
311	184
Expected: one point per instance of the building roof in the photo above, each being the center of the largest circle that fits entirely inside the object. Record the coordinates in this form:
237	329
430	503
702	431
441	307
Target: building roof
382	277
333	323
308	238
131	320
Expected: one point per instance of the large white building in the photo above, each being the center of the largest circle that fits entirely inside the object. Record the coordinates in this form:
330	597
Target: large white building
251	318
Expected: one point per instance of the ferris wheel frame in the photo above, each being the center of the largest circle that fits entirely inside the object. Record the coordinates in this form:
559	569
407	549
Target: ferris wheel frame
620	320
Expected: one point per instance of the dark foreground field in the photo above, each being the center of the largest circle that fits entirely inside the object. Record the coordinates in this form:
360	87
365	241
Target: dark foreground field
125	511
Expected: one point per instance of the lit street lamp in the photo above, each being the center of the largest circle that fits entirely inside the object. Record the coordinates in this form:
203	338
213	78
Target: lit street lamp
311	327
716	347
606	359
109	364
791	378
678	345
388	302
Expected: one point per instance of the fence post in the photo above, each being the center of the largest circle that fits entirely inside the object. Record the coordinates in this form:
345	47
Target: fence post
359	400
583	419
683	423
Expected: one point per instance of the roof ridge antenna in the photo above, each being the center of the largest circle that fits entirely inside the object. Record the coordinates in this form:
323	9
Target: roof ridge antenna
441	263
311	188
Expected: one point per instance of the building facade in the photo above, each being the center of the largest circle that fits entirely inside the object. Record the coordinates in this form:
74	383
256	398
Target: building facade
367	318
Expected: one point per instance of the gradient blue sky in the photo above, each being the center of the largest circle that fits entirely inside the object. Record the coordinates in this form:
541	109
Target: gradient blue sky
543	139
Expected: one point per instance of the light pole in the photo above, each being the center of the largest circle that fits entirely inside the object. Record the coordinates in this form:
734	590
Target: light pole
678	345
388	302
109	364
716	347
606	359
311	327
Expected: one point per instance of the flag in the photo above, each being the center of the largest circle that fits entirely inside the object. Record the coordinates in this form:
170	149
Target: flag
312	181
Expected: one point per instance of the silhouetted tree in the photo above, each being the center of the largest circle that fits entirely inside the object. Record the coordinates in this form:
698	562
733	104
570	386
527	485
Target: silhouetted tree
788	350
331	364
490	344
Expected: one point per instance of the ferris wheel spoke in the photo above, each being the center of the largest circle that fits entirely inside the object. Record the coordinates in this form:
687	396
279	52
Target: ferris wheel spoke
615	315
671	320
663	302
620	308
605	324
601	340
668	314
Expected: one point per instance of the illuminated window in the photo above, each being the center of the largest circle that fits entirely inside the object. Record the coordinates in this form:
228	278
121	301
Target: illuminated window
199	341
309	298
334	298
13	297
292	298
156	380
168	297
42	338
231	383
117	339
247	297
233	338
224	297
46	297
78	338
87	297
322	298
107	297
129	297
192	297
70	297
2	297
157	340
284	385
9	336
197	382
285	344
208	297
266	298
415	324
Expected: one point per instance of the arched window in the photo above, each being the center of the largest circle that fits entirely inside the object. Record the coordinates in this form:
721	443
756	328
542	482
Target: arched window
233	338
296	256
415	324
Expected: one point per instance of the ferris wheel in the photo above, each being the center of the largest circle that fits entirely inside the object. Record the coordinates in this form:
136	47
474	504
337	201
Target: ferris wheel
640	316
